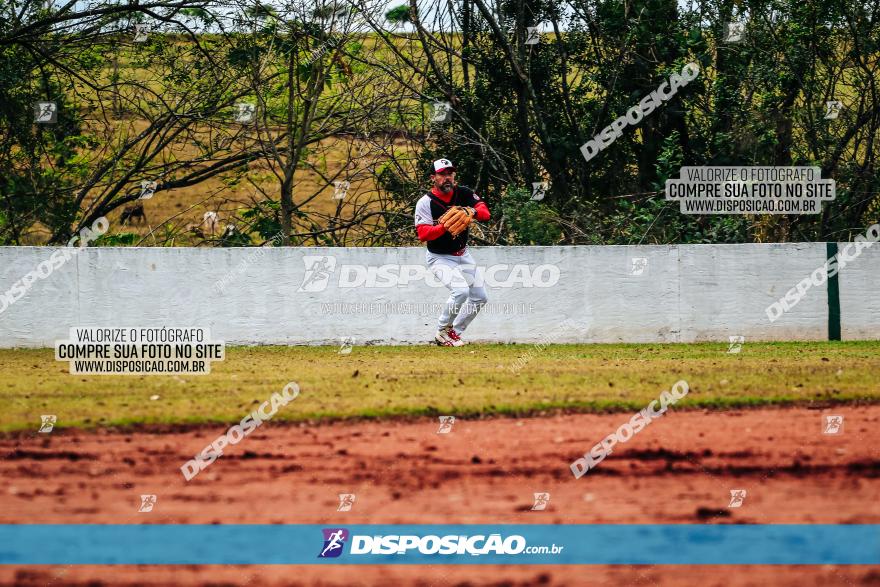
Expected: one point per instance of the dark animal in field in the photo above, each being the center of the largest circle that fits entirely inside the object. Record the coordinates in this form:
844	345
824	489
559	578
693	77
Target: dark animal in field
134	213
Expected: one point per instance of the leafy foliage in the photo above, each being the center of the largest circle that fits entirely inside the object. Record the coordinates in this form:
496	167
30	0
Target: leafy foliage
760	102
160	110
529	222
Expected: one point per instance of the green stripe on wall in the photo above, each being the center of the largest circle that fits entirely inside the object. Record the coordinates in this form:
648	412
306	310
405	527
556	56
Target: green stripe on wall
833	296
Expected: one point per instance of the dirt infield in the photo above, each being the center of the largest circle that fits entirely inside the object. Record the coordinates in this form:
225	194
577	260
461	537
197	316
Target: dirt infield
679	469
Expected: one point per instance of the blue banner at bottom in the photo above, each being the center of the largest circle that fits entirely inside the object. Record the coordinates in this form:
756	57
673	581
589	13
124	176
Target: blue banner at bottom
526	544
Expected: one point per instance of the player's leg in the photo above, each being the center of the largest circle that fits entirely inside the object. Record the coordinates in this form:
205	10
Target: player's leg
476	298
446	269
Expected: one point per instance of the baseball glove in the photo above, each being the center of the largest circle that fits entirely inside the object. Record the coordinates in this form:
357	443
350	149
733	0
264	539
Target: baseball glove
457	219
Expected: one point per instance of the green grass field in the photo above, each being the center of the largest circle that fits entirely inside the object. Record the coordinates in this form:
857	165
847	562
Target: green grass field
411	381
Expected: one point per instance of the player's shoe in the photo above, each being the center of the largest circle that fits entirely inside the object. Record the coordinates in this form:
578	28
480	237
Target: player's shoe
454	336
443	338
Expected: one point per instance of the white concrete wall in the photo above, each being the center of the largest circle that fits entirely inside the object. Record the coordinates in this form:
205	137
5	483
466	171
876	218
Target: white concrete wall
686	293
860	297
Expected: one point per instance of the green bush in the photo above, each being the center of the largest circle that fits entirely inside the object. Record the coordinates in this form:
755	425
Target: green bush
528	222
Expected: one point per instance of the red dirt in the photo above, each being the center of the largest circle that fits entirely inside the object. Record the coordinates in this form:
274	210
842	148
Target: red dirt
680	469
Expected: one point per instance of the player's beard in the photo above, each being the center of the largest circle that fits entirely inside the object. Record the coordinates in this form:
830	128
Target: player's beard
447	185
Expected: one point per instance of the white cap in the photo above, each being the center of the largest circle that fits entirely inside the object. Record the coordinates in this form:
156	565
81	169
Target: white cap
441	164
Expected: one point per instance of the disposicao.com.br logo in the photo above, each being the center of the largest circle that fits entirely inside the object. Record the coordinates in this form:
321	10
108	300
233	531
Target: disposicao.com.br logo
450	544
320	269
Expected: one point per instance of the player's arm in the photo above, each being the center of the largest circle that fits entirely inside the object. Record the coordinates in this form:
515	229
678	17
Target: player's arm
479	207
428	232
425	226
481	211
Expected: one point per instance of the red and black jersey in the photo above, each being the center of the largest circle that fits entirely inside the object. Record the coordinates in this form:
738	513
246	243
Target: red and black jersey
432	205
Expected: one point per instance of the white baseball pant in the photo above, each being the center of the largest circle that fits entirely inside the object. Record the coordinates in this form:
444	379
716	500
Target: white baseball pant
467	296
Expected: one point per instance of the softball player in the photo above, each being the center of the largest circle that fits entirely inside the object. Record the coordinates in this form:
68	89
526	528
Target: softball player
442	219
